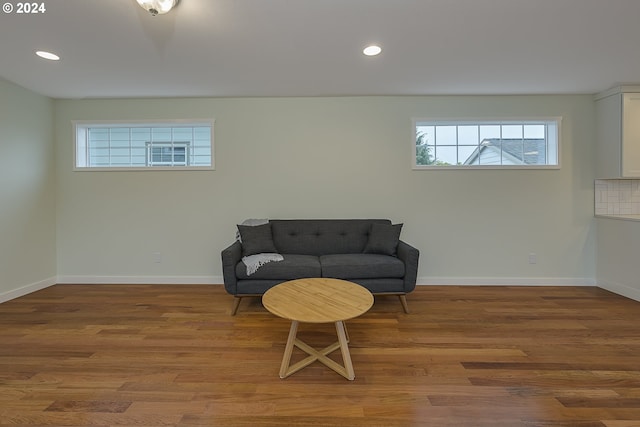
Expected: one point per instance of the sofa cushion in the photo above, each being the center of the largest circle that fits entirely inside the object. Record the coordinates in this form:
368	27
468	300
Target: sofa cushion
361	266
256	239
291	267
383	239
322	236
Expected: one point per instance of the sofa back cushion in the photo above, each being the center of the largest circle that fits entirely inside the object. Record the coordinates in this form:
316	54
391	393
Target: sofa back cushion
322	236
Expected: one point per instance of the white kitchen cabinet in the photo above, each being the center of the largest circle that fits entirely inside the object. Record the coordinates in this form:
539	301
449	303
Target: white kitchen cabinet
618	133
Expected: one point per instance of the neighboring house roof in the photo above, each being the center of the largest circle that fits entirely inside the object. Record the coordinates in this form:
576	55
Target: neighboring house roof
514	151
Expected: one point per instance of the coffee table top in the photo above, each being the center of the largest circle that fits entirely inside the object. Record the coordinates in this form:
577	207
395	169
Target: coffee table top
318	300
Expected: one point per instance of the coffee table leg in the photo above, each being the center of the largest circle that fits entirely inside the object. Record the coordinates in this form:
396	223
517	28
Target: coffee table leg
342	344
288	349
344	348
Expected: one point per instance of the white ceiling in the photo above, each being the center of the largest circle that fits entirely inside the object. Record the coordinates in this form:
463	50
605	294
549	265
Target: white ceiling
113	48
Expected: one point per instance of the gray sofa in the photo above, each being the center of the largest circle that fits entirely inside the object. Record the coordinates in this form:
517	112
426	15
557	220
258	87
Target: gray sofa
365	251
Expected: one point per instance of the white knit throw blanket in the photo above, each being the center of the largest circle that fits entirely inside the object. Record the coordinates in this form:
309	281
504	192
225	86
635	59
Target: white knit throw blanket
254	262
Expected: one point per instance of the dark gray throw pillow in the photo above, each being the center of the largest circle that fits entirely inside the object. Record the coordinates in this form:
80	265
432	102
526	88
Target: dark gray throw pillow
383	239
256	239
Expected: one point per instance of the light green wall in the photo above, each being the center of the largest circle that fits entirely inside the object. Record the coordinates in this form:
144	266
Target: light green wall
334	157
27	192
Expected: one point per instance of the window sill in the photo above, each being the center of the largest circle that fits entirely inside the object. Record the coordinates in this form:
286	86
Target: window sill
628	217
486	167
147	169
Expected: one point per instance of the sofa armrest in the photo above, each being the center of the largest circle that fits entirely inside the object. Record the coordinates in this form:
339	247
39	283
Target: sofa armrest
231	256
409	255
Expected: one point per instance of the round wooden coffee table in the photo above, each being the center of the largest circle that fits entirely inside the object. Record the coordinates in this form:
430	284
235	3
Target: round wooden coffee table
318	300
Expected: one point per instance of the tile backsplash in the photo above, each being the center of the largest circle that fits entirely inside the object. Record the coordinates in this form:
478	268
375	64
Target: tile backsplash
617	197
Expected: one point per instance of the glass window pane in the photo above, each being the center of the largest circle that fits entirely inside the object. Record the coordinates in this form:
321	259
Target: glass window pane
161	134
468	135
182	134
512	131
489	132
464	153
425	135
490	155
446	135
534	131
446	155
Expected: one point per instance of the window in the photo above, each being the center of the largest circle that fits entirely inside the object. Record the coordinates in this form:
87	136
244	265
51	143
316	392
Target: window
486	144
167	154
143	146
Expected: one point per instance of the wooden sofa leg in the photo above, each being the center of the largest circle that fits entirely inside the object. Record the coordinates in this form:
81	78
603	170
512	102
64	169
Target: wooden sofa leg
236	304
403	301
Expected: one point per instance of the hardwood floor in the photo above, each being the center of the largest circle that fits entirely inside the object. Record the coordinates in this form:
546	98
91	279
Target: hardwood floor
160	355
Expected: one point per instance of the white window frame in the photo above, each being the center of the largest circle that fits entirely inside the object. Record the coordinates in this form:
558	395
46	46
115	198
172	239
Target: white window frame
552	139
80	149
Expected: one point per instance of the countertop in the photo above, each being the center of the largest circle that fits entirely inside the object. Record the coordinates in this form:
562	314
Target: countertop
625	217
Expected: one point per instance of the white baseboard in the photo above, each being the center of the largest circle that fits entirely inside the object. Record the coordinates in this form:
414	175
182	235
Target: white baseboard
507	281
620	289
616	288
27	289
427	280
141	280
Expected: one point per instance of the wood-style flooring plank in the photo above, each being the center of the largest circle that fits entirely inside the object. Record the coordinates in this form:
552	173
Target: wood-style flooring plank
171	355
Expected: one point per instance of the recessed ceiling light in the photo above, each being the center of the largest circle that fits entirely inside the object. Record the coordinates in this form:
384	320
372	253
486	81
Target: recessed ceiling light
47	55
155	7
372	50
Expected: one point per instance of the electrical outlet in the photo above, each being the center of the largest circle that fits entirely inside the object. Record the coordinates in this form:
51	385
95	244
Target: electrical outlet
533	258
157	257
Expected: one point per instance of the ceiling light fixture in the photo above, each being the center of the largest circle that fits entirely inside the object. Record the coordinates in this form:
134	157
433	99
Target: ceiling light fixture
372	50
155	7
48	55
